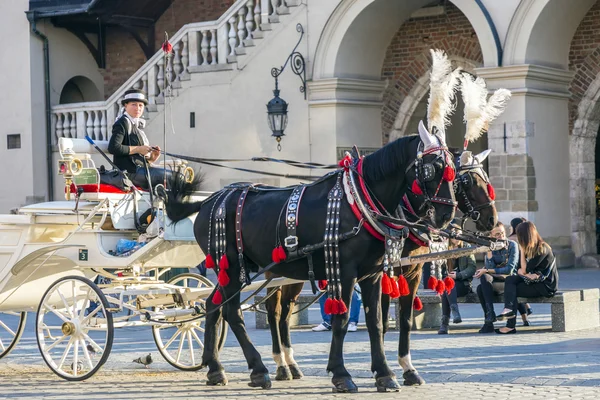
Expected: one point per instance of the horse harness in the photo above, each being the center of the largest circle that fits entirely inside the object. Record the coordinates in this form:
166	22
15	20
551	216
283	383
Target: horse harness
465	181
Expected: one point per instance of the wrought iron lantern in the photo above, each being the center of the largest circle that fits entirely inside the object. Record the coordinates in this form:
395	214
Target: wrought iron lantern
277	107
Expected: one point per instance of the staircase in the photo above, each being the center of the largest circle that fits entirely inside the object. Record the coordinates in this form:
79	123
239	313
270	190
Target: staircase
205	47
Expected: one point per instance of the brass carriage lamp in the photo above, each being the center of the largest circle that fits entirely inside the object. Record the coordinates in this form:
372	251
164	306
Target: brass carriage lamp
277	115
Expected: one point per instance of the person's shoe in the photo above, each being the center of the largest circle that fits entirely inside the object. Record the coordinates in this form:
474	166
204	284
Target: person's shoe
487	328
323	326
505	332
455	314
351	327
526	323
444	325
506	315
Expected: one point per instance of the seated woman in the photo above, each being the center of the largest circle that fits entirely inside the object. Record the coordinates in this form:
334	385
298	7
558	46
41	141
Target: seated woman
524	309
537	275
461	270
499	264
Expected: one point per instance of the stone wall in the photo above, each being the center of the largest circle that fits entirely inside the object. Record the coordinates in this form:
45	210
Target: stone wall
123	54
408	57
513	178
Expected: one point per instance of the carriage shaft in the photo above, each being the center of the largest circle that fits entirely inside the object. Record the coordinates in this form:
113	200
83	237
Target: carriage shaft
443	255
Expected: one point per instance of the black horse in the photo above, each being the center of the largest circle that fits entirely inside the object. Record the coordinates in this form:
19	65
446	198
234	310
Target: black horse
475	200
386	173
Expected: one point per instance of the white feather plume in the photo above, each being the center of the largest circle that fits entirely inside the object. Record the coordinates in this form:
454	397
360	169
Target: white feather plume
443	82
479	111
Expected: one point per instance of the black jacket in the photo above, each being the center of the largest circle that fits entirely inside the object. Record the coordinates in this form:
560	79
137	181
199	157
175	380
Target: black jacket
545	266
124	134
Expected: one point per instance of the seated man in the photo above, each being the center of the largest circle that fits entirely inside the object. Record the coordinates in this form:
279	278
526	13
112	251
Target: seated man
129	145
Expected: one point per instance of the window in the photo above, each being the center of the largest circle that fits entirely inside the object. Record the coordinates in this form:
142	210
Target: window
13	141
192	120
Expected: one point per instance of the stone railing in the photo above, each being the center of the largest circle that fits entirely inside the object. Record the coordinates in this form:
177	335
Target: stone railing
197	47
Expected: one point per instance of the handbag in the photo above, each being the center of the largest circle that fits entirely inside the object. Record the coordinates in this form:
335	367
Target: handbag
541	277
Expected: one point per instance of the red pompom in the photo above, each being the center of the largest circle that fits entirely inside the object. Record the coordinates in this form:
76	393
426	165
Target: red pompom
167	47
329	306
341	307
449	174
217	298
440	287
416	189
335	307
345	162
210	262
223	278
395	289
386	284
281	252
224	262
491	191
323	284
432	283
403	286
417	304
449	283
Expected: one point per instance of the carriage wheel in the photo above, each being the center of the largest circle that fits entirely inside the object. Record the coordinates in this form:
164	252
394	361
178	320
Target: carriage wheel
12	325
73	328
182	344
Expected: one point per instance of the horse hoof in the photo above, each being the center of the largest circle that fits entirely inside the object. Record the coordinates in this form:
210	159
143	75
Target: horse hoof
296	373
283	373
412	378
387	383
261	380
344	385
216	378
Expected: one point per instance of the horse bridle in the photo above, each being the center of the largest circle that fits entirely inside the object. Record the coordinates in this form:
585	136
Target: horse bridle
425	172
462	184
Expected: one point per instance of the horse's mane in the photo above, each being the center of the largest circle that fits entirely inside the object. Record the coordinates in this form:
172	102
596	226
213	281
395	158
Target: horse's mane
385	161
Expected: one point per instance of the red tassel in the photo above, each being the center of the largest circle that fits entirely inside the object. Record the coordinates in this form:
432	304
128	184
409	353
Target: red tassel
417	304
449	174
416	189
432	283
491	191
223	278
217	298
281	252
275	256
395	289
224	263
210	262
329	306
440	287
403	286
335	307
449	282
323	284
386	284
342	309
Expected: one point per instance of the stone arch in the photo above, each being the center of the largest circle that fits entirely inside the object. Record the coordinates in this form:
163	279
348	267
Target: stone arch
79	89
533	37
350	31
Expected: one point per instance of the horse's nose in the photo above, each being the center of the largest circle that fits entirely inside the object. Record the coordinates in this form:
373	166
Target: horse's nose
492	221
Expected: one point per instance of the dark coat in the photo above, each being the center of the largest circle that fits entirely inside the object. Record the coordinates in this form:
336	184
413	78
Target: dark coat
124	135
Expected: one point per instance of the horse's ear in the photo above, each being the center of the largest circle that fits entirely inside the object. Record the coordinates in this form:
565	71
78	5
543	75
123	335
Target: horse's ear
427	138
466	158
483	155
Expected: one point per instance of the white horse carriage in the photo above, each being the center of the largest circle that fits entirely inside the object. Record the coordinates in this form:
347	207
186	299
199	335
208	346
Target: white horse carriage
52	253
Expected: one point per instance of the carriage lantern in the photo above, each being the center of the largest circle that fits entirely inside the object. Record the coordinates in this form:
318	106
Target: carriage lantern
277	107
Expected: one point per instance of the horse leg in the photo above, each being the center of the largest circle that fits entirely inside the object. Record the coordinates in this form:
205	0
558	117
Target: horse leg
289	297
259	377
385	379
410	374
210	356
385	312
339	325
273	306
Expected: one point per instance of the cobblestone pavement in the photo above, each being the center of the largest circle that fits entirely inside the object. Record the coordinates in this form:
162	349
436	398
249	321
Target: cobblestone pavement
535	363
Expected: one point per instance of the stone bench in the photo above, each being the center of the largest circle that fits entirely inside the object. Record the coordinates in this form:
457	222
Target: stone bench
300	318
571	309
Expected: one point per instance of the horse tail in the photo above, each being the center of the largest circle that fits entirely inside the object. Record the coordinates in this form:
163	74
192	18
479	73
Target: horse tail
180	189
